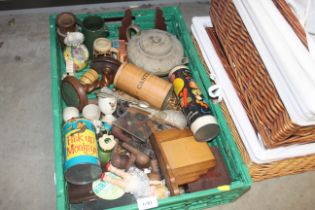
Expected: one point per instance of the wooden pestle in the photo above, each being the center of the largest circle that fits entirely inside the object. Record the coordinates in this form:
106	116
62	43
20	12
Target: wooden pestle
118	133
141	160
119	159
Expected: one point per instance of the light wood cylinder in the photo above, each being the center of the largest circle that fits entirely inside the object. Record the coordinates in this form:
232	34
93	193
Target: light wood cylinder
89	77
143	85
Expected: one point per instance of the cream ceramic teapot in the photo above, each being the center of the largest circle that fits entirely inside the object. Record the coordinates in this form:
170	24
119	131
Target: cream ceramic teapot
154	50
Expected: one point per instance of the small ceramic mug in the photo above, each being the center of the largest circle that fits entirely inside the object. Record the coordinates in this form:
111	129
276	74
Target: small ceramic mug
93	27
103	47
91	112
70	113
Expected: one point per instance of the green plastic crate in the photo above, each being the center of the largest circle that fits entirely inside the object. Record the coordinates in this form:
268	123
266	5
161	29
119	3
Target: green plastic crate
241	180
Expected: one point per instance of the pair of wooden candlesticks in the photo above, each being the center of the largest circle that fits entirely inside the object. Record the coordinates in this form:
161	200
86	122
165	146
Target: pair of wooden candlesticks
74	91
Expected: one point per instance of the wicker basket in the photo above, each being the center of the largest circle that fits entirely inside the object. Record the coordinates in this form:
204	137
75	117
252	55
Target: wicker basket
252	82
287	13
274	169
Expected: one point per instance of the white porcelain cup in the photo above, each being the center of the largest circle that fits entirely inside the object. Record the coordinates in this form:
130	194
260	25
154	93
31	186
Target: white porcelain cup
91	112
69	113
107	105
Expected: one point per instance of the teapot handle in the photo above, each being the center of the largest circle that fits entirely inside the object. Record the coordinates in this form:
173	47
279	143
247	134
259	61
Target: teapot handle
185	60
136	28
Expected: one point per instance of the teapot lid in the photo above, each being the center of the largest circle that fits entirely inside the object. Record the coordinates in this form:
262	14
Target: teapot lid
156	42
156	51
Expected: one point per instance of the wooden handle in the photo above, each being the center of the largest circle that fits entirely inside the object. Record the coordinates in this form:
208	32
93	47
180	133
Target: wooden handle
142	160
117	132
90	87
89	77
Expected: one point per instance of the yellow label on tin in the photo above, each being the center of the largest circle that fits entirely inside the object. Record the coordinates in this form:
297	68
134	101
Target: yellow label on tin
80	143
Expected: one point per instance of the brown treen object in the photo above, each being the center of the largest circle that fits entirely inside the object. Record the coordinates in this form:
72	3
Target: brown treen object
141	160
125	23
154	164
89	77
155	170
141	84
106	66
120	161
100	64
73	85
170	147
159	20
118	158
118	133
81	193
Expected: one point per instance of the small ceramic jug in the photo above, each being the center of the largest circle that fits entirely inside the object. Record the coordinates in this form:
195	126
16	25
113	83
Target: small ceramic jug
154	50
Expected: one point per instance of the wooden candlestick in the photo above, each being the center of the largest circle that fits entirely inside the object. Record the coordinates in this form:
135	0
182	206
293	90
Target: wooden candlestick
74	93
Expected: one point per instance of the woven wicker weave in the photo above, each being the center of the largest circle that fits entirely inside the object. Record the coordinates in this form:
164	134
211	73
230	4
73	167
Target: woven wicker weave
252	81
268	170
274	169
288	14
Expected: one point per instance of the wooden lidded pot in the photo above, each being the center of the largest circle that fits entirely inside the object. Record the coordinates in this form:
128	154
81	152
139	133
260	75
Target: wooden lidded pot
143	85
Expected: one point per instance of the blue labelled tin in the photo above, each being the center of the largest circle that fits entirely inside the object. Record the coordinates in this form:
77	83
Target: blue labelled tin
82	165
